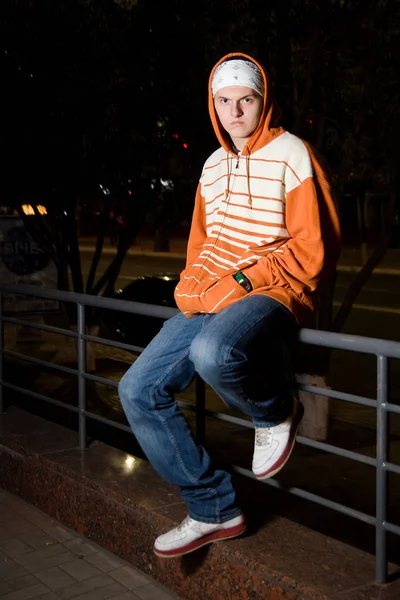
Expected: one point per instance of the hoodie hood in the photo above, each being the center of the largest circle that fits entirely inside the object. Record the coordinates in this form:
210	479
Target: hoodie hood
268	126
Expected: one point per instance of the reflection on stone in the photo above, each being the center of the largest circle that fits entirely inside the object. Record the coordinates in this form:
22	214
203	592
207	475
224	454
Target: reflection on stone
130	464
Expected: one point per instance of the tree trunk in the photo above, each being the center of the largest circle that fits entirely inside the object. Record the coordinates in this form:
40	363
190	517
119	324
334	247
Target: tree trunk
315	423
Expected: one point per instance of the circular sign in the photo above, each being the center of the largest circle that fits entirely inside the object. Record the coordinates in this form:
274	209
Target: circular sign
20	253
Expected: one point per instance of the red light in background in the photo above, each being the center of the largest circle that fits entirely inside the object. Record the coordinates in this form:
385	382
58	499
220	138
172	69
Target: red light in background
185	145
175	136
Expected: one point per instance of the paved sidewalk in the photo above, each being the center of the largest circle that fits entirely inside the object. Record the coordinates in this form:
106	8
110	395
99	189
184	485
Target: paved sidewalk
42	559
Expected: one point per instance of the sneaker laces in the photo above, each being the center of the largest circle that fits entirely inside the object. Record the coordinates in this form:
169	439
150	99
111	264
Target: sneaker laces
263	436
185	523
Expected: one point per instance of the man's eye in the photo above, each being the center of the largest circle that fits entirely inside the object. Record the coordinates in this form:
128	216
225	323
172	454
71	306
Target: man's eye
247	100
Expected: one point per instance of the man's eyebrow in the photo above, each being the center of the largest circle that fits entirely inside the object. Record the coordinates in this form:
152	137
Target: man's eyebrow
252	94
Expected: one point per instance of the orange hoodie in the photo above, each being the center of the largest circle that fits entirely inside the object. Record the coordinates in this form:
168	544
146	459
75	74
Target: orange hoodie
267	212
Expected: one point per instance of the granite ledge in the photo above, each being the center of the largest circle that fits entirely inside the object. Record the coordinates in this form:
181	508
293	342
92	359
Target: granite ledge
117	500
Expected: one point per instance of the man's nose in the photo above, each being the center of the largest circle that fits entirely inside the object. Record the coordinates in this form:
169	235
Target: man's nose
236	110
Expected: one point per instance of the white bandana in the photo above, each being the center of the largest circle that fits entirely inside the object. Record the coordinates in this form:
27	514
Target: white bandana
237	72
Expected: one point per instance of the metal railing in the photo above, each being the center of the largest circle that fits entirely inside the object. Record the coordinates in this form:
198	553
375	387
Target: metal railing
382	349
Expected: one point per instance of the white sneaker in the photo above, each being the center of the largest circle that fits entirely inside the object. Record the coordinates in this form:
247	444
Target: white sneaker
191	534
273	445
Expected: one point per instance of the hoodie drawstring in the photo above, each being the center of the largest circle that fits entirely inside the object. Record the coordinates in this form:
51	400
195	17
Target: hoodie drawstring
228	176
248	180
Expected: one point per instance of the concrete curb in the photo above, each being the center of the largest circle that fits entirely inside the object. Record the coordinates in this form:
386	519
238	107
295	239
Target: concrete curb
179	255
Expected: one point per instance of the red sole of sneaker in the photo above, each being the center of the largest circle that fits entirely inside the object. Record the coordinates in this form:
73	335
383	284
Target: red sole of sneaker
285	457
217	536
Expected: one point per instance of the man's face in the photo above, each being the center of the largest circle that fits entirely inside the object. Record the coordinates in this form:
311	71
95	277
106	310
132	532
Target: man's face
238	109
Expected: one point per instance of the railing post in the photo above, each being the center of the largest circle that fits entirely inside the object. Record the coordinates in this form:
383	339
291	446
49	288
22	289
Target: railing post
200	409
1	353
381	474
81	351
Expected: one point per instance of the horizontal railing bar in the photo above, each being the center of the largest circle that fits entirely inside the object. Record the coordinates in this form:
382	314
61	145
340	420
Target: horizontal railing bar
141	308
392	408
292	490
74	334
342	452
68	407
17	388
391	468
41	327
39	361
392	528
238	421
313	389
186	405
102	380
229	419
337	451
106	421
346	510
327	339
353	343
106	342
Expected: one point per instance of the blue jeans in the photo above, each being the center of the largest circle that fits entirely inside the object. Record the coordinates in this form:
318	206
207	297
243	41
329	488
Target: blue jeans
242	354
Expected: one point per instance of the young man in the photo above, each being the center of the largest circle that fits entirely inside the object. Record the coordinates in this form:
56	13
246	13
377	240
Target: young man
264	235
